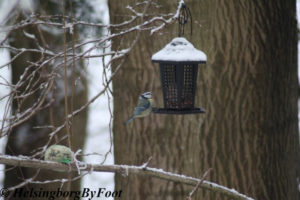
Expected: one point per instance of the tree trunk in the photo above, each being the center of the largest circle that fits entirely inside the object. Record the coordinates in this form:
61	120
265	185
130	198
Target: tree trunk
26	139
249	134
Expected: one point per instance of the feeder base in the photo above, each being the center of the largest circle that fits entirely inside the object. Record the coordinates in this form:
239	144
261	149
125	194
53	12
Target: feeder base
177	111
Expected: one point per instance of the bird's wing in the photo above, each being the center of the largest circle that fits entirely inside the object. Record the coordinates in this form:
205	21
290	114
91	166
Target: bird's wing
142	102
141	107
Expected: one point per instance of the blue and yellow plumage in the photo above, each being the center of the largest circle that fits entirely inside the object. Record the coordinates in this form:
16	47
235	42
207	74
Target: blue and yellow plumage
143	108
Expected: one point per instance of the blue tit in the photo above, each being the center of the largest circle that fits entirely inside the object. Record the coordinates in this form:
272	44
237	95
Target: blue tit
143	108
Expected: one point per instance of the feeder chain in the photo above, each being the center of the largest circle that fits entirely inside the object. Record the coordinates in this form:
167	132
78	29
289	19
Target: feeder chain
183	18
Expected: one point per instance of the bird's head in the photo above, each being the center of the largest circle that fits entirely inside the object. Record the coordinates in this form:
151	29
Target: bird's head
147	95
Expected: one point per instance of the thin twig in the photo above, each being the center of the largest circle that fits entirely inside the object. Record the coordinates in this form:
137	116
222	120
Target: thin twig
138	170
145	165
199	184
66	92
66	78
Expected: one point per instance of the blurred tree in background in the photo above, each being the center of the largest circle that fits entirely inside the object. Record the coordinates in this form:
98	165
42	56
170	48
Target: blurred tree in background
249	135
43	100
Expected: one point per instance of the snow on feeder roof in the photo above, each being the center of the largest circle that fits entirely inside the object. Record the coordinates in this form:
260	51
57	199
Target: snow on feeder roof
178	62
179	50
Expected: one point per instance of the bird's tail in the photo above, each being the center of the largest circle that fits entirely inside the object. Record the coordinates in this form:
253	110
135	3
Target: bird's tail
129	120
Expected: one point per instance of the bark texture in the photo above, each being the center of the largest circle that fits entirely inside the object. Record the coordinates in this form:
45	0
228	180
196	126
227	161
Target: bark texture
249	134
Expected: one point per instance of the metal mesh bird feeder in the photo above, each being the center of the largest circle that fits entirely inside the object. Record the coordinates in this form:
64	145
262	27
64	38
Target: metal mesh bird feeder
178	63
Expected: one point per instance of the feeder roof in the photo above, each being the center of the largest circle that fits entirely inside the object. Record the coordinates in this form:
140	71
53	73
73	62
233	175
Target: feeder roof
179	50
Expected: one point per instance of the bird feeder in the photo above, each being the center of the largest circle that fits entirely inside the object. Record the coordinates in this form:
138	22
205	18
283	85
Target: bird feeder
178	62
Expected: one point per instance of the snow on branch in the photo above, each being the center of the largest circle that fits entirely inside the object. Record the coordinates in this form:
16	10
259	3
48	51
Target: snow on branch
125	170
38	78
41	77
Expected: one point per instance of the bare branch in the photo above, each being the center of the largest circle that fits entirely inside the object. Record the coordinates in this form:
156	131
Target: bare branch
138	170
34	80
198	185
